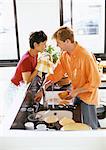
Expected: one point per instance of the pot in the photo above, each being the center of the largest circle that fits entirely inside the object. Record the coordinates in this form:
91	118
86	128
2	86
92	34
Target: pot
34	117
101	112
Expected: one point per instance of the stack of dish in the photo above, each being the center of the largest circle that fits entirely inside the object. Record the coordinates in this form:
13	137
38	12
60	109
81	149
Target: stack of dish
76	126
69	124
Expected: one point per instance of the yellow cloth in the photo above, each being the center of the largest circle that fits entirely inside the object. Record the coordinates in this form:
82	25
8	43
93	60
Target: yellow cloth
44	64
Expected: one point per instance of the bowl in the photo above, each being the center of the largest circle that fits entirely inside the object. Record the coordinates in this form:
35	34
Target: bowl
29	126
34	117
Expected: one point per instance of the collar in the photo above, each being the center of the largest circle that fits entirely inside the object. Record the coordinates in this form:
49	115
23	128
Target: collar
75	50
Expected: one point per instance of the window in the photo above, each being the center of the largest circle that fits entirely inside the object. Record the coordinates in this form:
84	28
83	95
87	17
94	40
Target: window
9	48
87	18
18	18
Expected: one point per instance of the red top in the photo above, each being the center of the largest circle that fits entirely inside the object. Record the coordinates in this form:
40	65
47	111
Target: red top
26	64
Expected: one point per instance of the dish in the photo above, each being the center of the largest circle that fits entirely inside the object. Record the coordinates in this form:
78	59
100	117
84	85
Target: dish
51	119
63	94
64	121
76	126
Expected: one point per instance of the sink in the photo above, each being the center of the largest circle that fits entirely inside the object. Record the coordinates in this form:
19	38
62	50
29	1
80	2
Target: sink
59	113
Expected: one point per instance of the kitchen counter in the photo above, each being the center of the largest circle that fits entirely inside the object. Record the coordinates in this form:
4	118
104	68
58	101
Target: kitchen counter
50	140
29	140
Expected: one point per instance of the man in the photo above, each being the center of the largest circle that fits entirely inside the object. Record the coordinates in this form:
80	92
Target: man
82	70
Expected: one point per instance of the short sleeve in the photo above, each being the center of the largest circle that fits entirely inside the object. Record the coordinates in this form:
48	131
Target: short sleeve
26	66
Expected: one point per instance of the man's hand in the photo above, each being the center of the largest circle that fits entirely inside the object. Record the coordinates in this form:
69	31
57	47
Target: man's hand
78	91
38	96
74	93
69	96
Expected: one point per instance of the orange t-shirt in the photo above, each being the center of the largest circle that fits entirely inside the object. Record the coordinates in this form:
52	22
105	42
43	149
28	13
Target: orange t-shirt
82	70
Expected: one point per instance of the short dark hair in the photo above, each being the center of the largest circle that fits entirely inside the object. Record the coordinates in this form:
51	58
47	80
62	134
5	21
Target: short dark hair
38	36
64	33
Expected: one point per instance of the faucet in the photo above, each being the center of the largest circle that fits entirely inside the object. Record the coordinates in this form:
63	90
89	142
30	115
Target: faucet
45	104
53	97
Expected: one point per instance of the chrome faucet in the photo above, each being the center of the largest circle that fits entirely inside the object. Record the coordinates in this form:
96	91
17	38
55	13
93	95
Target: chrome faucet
53	96
45	104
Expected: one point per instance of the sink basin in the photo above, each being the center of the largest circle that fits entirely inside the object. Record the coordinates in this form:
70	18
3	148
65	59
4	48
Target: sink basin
59	113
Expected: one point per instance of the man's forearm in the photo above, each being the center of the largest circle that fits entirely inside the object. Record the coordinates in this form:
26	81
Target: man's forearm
79	91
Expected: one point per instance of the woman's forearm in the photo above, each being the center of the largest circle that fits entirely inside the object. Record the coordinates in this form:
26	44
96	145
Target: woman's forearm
32	76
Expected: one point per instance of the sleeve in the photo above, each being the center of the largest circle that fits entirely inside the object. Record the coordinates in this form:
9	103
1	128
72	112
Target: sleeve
26	66
92	74
58	72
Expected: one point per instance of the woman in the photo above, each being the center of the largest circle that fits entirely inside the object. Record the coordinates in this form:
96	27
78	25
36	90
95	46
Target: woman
26	68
